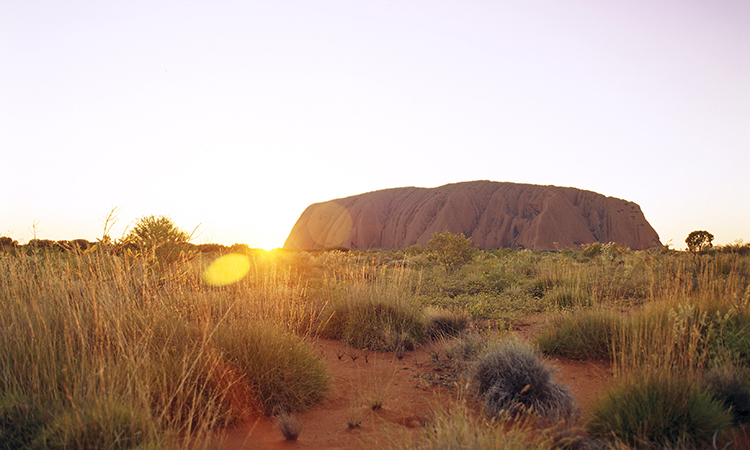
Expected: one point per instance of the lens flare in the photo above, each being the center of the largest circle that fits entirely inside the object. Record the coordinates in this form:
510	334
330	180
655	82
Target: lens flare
330	224
226	270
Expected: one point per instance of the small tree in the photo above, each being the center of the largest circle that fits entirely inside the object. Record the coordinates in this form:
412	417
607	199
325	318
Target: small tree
698	241
150	232
159	237
450	249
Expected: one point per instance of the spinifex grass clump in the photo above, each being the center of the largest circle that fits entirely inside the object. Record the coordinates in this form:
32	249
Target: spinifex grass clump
510	377
583	335
376	309
283	372
658	410
685	334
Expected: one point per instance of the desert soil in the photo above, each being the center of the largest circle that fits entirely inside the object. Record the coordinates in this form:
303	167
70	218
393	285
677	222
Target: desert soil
410	386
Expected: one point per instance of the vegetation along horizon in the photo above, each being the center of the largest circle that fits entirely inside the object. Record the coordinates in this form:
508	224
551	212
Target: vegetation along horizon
152	342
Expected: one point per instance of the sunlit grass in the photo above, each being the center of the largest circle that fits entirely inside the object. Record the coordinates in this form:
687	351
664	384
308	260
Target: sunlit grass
96	342
97	329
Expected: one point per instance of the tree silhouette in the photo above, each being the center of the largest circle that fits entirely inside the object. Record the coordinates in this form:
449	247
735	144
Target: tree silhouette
159	240
153	232
699	240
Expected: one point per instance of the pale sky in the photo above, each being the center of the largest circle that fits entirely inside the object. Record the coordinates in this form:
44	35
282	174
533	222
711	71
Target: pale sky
237	115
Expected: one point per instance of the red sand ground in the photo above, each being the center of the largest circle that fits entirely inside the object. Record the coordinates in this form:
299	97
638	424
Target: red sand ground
410	386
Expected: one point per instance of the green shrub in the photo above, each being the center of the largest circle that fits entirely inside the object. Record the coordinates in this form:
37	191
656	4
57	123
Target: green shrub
502	309
729	338
450	250
688	336
491	282
160	240
658	410
583	335
511	377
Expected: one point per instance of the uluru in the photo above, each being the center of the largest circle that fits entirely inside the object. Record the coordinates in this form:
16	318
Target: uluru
493	214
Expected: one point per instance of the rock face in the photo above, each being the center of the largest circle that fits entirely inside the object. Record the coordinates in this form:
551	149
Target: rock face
493	214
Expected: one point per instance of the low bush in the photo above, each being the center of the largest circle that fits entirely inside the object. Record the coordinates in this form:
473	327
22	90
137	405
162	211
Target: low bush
584	335
511	377
658	410
450	250
591	251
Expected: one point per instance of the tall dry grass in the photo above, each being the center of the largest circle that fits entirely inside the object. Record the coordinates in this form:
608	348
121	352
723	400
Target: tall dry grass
699	318
98	329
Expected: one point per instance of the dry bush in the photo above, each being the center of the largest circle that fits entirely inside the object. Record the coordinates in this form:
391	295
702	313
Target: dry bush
511	377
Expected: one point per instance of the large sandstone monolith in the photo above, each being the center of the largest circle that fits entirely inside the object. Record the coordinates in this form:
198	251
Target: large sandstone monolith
493	214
